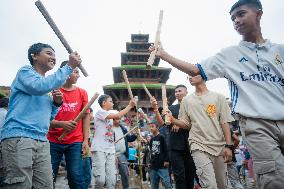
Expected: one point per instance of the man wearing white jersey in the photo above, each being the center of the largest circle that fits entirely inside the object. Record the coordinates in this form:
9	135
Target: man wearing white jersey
255	73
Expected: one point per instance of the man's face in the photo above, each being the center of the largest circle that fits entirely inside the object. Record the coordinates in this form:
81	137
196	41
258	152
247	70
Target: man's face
180	92
246	19
196	80
46	59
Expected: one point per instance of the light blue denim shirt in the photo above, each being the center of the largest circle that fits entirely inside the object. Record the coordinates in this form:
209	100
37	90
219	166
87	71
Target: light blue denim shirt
31	106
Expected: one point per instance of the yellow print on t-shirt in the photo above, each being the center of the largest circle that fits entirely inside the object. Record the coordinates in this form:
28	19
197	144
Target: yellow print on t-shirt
211	110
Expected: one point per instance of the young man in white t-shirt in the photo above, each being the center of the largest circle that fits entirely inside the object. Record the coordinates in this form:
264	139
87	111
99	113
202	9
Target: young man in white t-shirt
255	74
103	148
206	114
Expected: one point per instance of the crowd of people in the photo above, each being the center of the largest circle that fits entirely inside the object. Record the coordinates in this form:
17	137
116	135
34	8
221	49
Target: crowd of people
208	142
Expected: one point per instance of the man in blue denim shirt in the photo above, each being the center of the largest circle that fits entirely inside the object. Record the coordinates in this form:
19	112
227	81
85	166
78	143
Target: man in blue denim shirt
33	104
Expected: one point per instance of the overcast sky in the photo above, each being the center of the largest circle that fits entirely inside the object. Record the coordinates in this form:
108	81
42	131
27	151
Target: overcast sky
99	29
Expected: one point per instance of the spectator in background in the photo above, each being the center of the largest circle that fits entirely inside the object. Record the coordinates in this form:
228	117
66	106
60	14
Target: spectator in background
74	146
103	148
121	149
3	111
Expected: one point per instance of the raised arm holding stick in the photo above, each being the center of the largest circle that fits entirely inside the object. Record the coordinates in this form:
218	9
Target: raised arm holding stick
56	30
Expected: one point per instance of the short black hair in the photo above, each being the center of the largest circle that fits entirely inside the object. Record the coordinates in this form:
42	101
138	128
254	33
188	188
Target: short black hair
180	85
254	3
36	49
103	98
63	63
4	102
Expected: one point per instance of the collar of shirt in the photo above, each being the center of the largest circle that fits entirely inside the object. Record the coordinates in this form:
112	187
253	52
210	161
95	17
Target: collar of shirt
267	44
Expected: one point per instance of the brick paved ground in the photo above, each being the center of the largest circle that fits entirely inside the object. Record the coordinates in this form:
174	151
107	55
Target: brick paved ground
134	182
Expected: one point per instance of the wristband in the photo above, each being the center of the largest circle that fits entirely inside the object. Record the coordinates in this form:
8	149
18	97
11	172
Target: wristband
57	104
230	146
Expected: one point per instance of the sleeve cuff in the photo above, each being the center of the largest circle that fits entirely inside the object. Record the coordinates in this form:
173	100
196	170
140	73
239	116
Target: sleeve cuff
202	73
68	69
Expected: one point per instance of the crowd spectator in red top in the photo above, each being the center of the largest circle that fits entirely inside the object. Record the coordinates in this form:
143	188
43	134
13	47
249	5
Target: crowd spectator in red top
75	144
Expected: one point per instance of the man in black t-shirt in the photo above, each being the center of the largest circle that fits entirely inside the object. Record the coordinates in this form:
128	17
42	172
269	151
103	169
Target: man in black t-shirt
181	161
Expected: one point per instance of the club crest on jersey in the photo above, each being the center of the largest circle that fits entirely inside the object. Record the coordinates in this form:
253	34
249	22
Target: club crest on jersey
278	60
243	60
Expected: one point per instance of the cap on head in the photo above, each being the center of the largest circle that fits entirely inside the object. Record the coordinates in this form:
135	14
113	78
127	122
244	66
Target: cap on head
254	3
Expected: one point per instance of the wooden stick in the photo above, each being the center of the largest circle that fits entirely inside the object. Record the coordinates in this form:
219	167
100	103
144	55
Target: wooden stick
127	163
127	84
81	114
126	134
56	30
147	91
165	104
157	41
144	115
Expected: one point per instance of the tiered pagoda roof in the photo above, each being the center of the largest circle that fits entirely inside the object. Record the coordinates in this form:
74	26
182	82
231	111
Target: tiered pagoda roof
134	62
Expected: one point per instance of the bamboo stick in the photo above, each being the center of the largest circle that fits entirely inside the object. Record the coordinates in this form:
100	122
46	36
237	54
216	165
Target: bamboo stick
126	134
157	41
147	91
165	104
81	114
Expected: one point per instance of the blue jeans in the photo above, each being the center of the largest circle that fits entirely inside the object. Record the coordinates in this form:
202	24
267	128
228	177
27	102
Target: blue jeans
156	175
123	171
87	168
74	163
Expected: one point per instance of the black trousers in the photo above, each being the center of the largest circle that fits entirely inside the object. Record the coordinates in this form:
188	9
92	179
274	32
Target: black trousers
183	168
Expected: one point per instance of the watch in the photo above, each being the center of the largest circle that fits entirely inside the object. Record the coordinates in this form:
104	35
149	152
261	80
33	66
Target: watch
230	146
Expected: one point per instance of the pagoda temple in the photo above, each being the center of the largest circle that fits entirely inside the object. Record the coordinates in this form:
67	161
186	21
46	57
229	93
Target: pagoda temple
134	62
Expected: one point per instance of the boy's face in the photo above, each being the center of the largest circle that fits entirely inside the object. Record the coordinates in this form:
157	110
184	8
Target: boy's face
116	122
108	104
153	128
180	92
196	80
45	59
246	19
73	78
